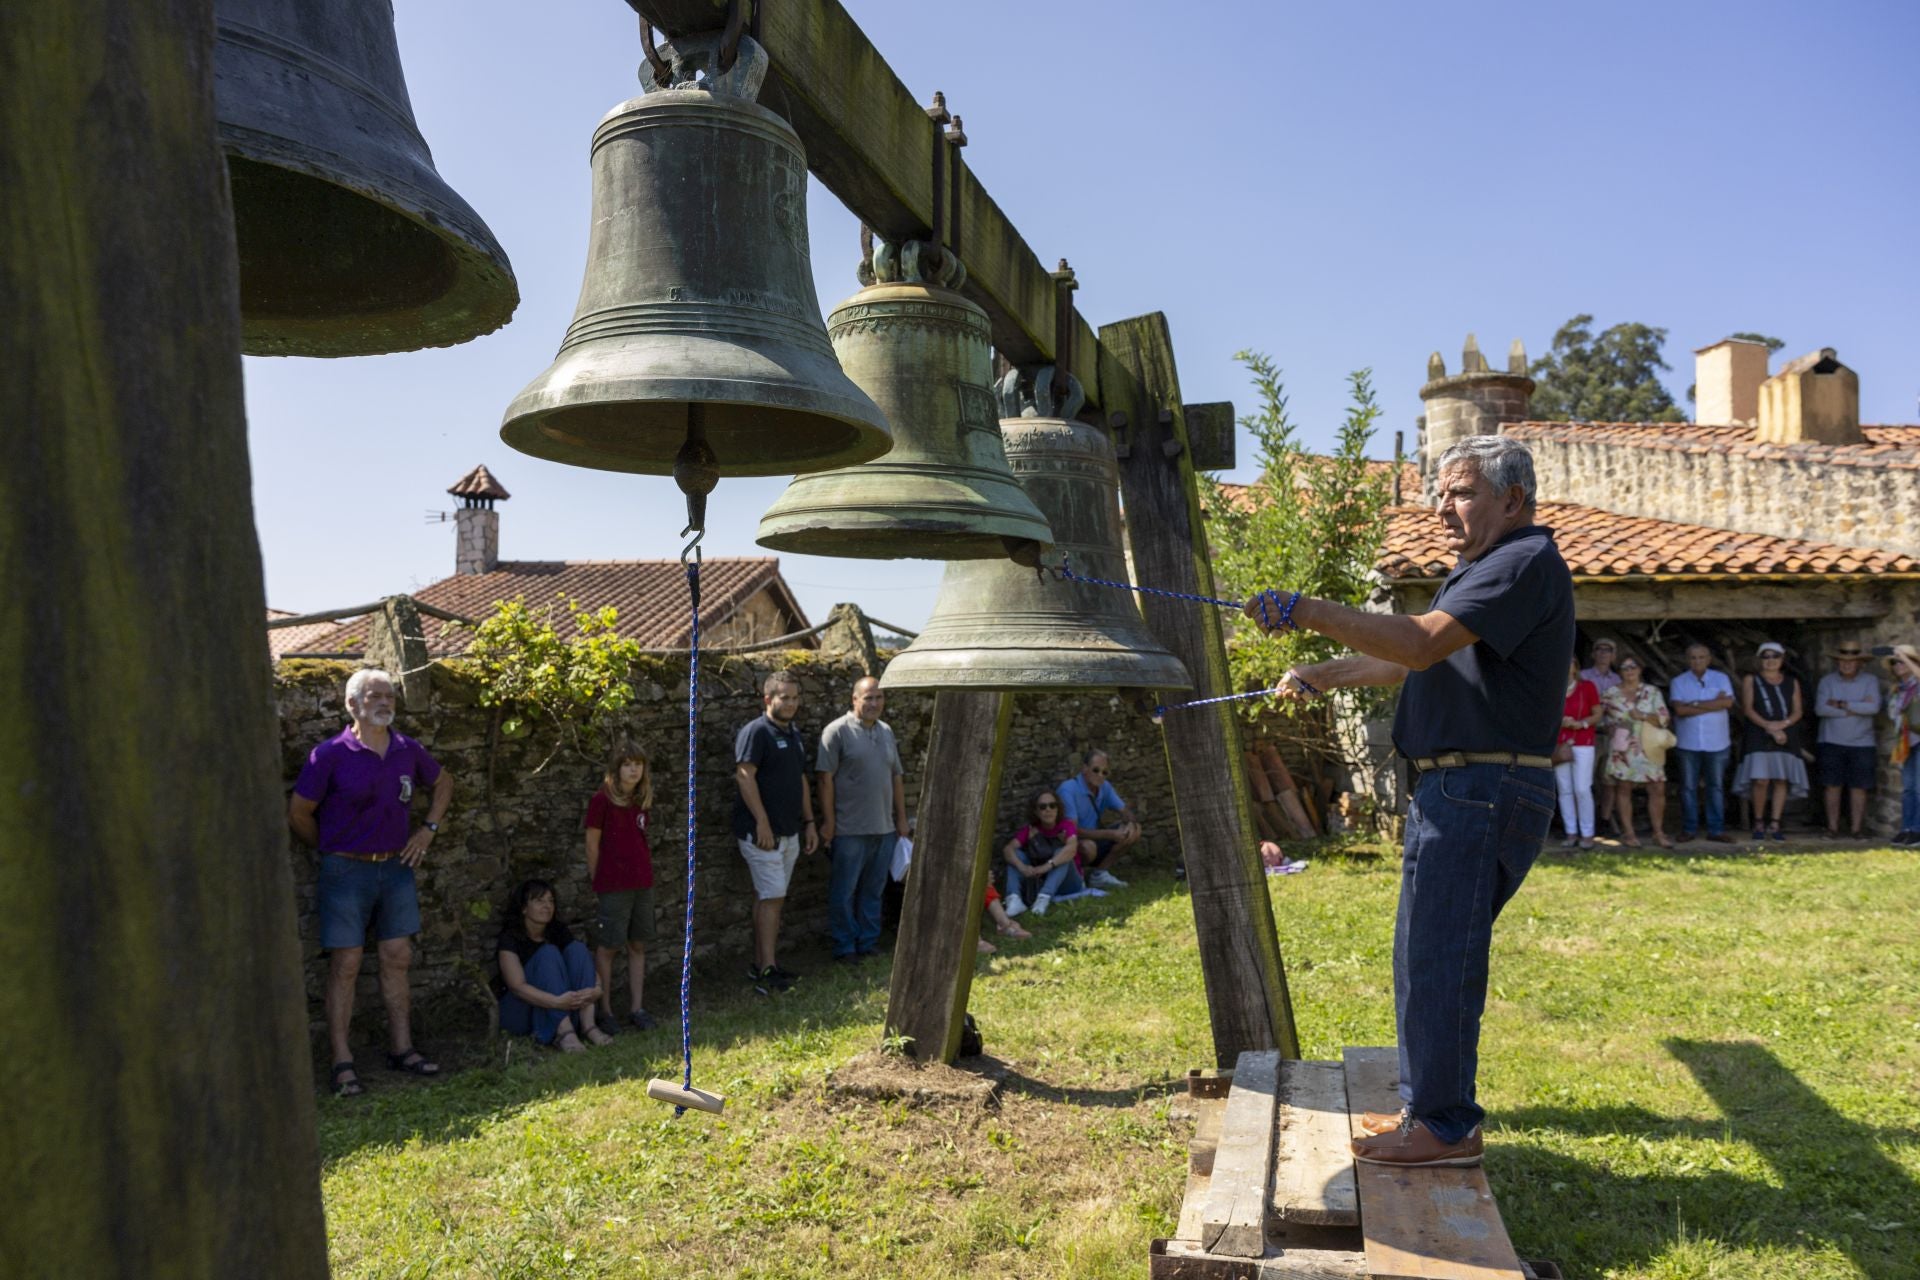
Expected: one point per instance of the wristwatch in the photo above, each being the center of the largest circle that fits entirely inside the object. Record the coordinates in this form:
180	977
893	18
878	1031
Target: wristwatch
433	827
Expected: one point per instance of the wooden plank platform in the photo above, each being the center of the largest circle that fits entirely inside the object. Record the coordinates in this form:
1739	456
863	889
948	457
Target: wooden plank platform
1312	1168
1234	1220
1421	1224
1415	1224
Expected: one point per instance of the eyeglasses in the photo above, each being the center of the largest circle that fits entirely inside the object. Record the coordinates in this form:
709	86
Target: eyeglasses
1047	804
1772	657
1629	666
1095	769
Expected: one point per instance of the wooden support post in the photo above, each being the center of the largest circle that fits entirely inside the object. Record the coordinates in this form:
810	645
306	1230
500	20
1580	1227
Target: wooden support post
1239	950
947	885
160	1110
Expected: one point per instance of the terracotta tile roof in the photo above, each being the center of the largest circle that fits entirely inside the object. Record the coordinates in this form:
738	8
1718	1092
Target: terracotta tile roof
1886	446
479	483
651	596
1600	544
285	640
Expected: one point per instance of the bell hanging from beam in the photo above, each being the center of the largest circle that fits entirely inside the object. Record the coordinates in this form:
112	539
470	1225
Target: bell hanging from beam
698	290
944	493
996	625
350	242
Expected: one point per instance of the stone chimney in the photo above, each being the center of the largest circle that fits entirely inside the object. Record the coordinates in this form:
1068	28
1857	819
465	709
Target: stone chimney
1474	402
1812	400
476	523
1726	382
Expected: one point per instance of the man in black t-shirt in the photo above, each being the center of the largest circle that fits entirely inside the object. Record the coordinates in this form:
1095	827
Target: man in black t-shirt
1483	675
772	816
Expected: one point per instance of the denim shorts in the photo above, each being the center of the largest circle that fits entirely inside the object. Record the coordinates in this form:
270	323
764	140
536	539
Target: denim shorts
354	894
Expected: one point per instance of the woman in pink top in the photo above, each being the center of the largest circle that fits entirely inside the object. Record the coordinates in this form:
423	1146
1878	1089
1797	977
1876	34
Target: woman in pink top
1040	858
1573	776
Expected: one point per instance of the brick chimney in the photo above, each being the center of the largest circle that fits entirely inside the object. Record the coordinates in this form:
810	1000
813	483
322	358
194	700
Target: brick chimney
1726	382
1812	400
1473	402
476	523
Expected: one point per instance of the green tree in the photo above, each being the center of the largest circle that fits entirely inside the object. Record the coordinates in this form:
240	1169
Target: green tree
529	671
1610	378
1312	523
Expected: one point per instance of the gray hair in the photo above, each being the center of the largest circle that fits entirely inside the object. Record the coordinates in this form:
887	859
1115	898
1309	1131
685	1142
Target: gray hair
1501	461
357	683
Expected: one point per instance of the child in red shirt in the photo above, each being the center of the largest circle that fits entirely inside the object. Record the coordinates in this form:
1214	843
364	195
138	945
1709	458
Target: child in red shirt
620	865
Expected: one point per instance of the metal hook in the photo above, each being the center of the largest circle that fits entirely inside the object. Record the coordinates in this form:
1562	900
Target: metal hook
692	548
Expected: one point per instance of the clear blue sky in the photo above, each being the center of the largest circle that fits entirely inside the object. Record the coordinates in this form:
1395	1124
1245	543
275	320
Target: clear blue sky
1342	186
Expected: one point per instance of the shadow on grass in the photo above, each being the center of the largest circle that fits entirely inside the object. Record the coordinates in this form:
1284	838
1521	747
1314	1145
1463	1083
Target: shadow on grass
483	1082
1837	1186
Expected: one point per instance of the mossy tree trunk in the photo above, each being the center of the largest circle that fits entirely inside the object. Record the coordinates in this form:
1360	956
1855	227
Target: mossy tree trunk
158	1117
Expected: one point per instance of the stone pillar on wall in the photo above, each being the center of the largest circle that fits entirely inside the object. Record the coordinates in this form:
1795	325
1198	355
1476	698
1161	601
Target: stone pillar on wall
849	636
1474	402
396	644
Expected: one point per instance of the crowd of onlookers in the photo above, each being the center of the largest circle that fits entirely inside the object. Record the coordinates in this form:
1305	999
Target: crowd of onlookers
353	803
1620	733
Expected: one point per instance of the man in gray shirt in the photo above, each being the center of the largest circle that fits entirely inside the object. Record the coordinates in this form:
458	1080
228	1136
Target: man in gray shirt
1846	703
863	794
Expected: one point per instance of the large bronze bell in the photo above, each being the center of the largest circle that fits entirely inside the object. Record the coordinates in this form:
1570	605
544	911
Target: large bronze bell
996	625
350	243
698	298
944	493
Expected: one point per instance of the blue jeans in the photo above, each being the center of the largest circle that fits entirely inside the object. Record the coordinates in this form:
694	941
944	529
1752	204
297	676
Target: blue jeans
854	886
555	972
1472	835
1910	792
1691	764
1064	878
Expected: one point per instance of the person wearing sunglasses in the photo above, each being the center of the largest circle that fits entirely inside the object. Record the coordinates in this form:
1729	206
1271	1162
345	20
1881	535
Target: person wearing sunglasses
1107	826
1482	677
1772	767
1040	858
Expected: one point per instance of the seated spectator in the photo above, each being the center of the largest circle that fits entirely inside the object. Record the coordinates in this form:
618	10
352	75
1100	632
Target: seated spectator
1636	710
548	975
1846	705
1001	921
1107	827
1040	858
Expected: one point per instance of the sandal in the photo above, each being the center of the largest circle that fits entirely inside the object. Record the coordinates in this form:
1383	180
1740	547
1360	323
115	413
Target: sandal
987	948
566	1041
413	1062
595	1035
345	1088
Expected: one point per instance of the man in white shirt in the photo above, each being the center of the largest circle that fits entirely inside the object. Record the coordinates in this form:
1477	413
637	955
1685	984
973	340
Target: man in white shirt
1703	734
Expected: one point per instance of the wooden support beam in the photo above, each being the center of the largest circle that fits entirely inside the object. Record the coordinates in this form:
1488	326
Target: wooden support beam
1233	916
1234	1219
939	938
1312	1168
160	1102
868	140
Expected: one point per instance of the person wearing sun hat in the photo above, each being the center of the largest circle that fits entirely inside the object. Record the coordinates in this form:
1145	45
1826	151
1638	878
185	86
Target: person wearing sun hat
1904	707
1771	705
1846	705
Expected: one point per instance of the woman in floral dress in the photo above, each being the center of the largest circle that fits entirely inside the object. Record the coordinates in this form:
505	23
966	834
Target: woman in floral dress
1629	705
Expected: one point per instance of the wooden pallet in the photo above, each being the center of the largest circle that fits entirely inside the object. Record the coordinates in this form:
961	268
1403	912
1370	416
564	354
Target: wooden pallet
1274	1194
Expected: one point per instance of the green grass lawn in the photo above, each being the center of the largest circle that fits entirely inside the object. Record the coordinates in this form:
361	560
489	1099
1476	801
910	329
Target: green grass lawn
1695	1067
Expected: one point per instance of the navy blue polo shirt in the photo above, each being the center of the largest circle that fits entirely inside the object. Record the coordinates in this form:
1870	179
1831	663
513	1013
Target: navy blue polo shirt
1505	691
779	759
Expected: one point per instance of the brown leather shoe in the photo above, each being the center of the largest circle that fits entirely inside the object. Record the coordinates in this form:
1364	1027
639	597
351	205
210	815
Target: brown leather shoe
1413	1145
1381	1121
1725	837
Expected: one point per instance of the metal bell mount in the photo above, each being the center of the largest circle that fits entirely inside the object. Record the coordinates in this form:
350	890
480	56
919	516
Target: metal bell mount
350	242
698	290
996	625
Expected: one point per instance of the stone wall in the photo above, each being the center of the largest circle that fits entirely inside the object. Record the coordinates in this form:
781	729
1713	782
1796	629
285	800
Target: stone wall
526	820
1857	497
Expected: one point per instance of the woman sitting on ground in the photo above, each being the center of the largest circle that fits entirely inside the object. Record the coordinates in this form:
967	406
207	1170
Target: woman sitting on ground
1040	857
548	974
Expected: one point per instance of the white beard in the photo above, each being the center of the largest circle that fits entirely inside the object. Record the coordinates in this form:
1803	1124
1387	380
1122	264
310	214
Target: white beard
381	717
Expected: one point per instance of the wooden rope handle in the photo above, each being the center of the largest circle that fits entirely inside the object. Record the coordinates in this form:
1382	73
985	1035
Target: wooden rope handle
679	1096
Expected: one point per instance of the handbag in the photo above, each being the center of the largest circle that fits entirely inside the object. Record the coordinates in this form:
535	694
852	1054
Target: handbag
1563	753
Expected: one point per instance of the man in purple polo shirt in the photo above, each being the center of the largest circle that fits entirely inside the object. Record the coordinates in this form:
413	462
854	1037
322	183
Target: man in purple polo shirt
352	804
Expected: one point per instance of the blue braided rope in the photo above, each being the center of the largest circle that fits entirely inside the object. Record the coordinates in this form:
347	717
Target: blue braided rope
1162	709
1066	571
693	797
